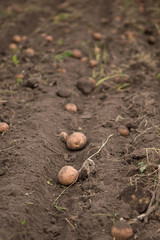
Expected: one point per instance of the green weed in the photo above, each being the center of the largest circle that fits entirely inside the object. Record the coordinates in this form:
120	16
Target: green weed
15	60
110	77
142	166
61	56
23	222
49	183
60	17
60	42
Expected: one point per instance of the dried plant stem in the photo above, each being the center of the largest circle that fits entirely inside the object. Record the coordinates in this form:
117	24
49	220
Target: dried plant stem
89	159
154	201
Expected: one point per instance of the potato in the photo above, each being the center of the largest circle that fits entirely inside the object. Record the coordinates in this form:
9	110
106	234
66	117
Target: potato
3	127
17	39
12	46
76	53
24	38
123	130
97	50
71	107
84	59
49	39
19	76
67	175
97	36
63	136
43	35
61	70
76	141
93	63
121	231
30	52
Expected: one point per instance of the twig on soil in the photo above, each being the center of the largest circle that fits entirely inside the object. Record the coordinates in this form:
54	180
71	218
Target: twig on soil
1	150
70	223
142	133
154	201
89	160
86	165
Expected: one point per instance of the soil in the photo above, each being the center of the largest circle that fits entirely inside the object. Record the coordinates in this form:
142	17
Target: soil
123	177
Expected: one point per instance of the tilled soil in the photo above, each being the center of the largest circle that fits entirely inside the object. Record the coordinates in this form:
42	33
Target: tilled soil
124	177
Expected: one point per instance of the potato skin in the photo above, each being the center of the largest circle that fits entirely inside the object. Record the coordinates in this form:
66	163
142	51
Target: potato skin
97	36
121	231
123	131
76	53
71	107
3	127
76	141
67	175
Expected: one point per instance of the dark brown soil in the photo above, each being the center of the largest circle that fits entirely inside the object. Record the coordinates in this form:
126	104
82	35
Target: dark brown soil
125	175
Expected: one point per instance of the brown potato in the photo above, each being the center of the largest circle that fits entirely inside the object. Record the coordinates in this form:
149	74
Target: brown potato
19	76
93	63
76	53
49	39
71	107
17	39
3	127
30	52
63	136
121	231
12	46
123	130
97	50
24	38
84	59
43	35
67	175
61	70
76	141
97	36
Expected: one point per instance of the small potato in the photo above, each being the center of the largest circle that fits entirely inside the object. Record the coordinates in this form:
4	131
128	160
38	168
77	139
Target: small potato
63	136
49	39
121	231
84	59
19	76
71	107
76	53
119	79
24	38
17	39
30	52
123	130
43	35
12	46
3	127
97	36
104	20
67	175
97	50
93	63
76	141
61	70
